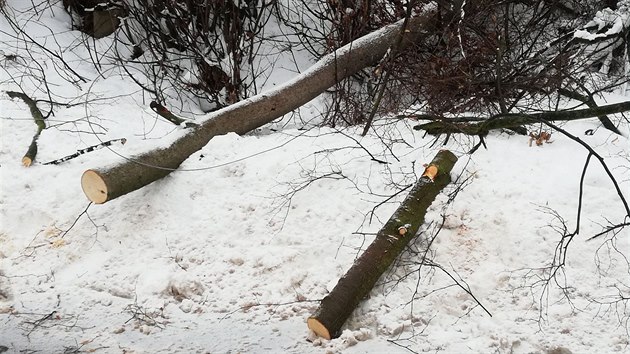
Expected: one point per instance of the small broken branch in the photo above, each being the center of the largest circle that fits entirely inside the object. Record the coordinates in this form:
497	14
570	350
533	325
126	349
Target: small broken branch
166	114
86	150
516	120
389	243
29	157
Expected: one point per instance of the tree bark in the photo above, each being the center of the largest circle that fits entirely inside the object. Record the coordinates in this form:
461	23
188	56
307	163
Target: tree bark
38	117
482	127
102	185
390	241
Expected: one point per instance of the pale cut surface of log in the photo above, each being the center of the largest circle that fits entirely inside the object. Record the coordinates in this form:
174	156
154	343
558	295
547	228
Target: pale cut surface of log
390	241
94	186
259	110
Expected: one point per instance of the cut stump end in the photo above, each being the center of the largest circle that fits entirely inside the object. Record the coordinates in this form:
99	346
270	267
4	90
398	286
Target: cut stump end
27	161
94	186
317	327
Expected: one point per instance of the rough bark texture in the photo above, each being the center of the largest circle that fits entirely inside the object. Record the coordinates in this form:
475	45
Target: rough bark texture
253	112
386	247
512	121
38	117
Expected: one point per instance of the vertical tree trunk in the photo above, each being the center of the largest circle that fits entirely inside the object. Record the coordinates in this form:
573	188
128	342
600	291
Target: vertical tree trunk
390	241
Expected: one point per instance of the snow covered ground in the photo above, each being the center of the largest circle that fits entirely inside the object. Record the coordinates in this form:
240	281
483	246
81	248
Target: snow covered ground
231	253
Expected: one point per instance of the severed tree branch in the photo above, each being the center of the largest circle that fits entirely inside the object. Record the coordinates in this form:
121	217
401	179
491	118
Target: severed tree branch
86	150
481	127
29	157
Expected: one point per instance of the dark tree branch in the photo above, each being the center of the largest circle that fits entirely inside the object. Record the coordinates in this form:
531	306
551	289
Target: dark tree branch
482	127
29	157
590	102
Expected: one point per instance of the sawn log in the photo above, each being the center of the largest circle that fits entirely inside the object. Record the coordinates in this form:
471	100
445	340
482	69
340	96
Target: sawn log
390	241
102	185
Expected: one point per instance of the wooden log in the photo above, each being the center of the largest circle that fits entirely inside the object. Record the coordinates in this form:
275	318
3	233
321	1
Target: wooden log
102	185
390	241
38	117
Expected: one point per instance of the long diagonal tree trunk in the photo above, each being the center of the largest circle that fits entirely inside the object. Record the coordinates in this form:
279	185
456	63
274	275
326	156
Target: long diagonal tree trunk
102	185
390	241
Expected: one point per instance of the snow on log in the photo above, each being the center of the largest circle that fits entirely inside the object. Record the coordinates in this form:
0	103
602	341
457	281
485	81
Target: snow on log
390	241
102	185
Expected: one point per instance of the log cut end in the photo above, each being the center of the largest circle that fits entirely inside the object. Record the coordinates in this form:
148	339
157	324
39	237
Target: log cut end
317	327
27	161
94	187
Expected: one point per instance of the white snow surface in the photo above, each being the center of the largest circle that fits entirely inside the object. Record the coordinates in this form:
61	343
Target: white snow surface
231	253
615	20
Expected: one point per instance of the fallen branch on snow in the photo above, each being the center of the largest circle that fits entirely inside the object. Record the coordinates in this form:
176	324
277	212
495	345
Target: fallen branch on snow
481	127
29	157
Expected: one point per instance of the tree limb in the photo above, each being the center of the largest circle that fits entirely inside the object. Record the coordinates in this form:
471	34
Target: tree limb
515	120
29	157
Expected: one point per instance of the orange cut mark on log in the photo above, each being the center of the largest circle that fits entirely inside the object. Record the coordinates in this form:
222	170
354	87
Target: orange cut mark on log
319	328
431	171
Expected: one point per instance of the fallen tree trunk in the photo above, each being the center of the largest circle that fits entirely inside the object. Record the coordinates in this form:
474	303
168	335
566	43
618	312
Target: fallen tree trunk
102	185
482	127
390	241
